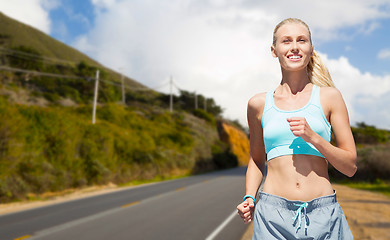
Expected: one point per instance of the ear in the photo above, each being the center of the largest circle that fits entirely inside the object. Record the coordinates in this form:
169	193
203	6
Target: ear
273	51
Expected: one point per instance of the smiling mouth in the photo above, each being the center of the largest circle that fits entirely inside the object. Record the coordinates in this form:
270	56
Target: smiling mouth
294	57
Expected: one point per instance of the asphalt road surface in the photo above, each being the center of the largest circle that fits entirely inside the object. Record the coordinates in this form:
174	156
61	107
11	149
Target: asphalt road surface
197	207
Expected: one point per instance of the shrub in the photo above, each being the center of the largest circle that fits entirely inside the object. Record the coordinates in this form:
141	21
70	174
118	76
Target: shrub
200	113
222	156
373	163
366	134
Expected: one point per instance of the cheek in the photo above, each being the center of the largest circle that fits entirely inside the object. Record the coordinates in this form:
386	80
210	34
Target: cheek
307	50
280	51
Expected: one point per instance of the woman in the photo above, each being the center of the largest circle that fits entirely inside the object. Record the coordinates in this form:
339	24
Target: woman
290	129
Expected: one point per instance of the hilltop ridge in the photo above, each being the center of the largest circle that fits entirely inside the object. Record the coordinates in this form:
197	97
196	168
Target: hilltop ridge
15	33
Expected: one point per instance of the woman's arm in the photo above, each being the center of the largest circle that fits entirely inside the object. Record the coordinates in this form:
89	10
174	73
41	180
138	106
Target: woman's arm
256	165
343	155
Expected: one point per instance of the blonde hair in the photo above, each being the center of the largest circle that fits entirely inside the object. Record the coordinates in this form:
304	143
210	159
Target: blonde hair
318	72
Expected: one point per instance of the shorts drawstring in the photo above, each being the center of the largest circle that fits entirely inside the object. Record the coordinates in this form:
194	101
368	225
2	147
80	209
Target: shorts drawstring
298	215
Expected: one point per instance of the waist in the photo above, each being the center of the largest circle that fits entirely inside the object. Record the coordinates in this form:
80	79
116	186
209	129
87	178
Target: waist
277	201
298	177
292	149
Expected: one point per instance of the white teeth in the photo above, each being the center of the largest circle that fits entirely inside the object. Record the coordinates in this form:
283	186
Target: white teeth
294	57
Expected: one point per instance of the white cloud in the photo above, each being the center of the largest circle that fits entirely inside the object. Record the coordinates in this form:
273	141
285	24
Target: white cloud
103	3
348	48
373	109
384	54
327	18
221	48
32	12
365	94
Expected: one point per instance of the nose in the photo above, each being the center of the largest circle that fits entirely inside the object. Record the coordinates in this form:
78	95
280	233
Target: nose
294	46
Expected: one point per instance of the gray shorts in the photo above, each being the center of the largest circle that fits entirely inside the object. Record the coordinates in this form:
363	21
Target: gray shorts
279	218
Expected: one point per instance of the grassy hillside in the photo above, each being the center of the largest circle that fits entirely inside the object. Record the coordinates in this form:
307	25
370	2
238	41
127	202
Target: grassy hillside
54	148
14	34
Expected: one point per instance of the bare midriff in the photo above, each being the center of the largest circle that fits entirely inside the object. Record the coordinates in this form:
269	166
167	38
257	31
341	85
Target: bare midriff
298	177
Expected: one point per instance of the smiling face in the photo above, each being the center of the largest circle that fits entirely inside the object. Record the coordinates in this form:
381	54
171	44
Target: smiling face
292	46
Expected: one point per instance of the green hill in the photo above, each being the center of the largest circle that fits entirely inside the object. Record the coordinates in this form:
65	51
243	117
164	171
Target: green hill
14	33
16	36
47	140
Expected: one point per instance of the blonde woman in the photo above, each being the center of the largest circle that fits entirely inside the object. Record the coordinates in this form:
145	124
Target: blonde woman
290	129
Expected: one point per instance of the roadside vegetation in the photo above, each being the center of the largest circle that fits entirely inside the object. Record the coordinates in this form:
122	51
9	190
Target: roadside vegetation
49	149
373	149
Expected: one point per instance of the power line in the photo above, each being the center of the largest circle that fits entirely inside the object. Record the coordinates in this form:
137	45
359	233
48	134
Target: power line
45	59
171	83
37	73
161	86
36	57
116	84
32	56
177	87
111	82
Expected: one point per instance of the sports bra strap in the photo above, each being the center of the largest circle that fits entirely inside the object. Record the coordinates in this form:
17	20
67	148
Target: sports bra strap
269	100
316	96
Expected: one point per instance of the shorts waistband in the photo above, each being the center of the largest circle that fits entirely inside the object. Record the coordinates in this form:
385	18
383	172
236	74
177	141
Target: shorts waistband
293	205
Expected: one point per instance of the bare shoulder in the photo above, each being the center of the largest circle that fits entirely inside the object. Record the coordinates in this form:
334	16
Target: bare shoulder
256	103
333	104
330	92
331	96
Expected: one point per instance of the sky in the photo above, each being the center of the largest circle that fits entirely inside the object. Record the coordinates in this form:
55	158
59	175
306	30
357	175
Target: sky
221	48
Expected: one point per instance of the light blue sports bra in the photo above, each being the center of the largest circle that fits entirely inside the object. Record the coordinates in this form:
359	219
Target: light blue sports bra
278	138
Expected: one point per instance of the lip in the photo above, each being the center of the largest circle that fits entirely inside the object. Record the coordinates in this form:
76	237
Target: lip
294	59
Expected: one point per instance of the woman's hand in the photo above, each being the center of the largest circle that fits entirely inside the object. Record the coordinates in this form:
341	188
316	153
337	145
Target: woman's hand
300	128
246	210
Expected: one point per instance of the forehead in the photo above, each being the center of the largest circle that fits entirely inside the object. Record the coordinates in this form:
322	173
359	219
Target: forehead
293	29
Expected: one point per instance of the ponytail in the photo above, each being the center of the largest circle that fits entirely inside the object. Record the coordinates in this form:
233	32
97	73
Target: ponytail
318	72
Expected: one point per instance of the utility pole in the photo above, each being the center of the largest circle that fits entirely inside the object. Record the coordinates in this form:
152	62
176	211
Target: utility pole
205	104
123	90
95	97
196	101
170	96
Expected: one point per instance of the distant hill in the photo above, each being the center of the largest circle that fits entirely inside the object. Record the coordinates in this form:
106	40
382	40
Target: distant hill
15	34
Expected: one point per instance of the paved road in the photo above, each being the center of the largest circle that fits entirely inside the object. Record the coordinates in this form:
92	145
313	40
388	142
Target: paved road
198	207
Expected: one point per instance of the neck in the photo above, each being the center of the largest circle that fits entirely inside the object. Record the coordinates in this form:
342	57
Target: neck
295	81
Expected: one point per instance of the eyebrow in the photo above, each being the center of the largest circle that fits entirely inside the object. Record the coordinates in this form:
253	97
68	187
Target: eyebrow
300	36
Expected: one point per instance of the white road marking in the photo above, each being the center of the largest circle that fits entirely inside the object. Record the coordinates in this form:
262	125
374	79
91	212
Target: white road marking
220	227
